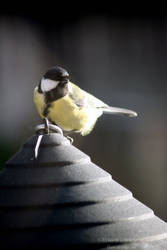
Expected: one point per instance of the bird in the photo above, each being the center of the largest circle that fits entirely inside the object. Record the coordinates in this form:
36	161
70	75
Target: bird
69	107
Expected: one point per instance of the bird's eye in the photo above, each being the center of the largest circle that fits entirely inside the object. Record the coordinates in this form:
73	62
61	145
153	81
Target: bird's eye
62	77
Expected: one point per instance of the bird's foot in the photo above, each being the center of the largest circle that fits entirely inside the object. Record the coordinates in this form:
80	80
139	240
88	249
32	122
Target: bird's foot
70	139
45	128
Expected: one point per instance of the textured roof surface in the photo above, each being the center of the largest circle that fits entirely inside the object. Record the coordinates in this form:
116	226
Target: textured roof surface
63	200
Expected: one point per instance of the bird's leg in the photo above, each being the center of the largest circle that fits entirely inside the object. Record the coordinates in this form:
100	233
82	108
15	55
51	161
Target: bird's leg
40	135
46	123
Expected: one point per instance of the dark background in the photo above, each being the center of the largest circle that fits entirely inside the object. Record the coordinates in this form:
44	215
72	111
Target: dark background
117	54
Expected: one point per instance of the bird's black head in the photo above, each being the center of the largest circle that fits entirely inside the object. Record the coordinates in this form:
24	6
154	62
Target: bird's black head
57	74
54	84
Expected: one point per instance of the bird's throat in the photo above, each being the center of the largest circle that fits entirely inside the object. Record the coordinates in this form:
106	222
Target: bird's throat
55	94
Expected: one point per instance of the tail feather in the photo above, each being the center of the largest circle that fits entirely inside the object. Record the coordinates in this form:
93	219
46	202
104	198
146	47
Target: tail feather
119	111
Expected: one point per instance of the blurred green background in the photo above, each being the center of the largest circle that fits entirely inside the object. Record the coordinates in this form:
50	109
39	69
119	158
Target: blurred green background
120	57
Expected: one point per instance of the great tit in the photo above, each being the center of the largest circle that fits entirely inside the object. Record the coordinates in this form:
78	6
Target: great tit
66	105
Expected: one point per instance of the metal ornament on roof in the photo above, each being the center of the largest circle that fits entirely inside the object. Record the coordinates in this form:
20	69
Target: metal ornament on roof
62	200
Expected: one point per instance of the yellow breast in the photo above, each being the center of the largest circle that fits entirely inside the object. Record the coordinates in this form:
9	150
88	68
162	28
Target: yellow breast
39	102
67	115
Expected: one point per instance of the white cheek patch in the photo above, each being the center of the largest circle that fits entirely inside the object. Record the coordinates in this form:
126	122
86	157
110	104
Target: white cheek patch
69	88
47	85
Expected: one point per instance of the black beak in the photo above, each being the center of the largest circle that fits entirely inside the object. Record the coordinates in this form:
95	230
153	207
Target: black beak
64	81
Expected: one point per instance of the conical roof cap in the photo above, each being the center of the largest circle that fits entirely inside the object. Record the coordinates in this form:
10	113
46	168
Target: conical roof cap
62	199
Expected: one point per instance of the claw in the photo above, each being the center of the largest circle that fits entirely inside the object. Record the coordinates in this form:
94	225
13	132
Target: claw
70	139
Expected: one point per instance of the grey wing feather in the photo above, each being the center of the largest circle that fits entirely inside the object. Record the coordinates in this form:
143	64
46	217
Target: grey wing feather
119	111
84	99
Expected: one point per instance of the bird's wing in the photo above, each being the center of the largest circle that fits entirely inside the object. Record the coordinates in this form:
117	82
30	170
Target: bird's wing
84	99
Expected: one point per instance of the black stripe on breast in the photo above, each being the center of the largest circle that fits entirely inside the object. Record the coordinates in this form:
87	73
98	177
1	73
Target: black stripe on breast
46	110
57	93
